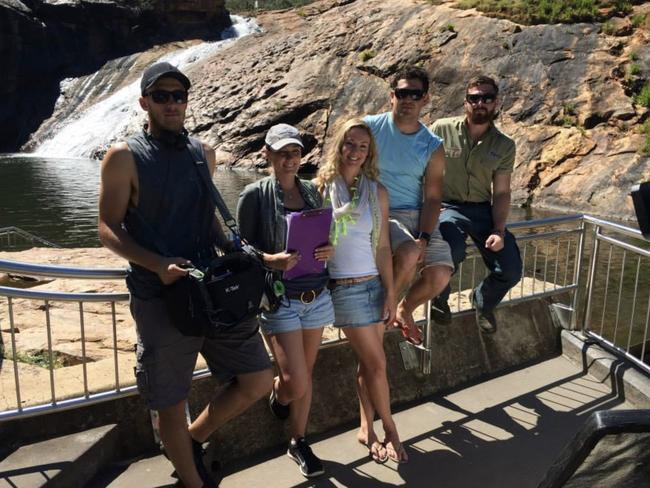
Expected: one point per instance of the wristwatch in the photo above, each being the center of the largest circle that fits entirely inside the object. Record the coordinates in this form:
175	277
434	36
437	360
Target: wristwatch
425	236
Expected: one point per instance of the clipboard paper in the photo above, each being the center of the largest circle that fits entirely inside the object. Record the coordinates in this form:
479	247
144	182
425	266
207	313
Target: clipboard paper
306	231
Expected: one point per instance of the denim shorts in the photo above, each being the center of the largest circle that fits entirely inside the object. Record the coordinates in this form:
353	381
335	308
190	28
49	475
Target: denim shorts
404	225
359	304
293	314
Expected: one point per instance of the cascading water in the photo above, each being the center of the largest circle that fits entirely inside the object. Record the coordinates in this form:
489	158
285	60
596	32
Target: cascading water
94	128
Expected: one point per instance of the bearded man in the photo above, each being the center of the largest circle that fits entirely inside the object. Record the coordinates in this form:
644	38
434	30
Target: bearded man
476	199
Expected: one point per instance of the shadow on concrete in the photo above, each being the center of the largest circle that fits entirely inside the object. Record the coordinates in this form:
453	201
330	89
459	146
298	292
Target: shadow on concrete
511	444
41	469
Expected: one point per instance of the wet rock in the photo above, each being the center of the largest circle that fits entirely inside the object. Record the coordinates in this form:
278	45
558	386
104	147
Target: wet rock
565	93
45	41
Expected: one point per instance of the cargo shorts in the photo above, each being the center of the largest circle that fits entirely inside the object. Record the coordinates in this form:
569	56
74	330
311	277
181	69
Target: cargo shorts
166	358
405	225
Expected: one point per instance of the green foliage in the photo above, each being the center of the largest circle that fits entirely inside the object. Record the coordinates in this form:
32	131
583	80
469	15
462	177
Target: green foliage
638	20
36	358
645	130
569	108
643	98
550	11
448	27
236	6
608	28
634	56
634	69
367	54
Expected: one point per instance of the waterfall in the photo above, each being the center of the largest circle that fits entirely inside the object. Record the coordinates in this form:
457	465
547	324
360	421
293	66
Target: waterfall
82	134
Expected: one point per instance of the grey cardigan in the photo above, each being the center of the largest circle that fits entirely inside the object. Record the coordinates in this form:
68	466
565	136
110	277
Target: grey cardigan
261	213
261	220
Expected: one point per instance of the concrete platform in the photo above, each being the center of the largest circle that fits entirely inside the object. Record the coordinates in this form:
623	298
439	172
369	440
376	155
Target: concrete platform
65	461
504	432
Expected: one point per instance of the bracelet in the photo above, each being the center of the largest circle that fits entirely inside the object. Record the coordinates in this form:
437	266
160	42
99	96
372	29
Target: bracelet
425	236
500	233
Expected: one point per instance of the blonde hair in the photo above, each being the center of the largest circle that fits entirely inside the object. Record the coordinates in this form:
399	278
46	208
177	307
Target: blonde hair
330	169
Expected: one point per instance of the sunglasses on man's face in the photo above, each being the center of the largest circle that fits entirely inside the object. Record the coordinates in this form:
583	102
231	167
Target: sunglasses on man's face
474	98
163	96
412	93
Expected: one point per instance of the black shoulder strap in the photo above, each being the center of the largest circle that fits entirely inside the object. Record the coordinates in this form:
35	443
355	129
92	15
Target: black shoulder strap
202	168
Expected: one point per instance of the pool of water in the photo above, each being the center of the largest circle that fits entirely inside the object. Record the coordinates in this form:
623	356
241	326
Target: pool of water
56	199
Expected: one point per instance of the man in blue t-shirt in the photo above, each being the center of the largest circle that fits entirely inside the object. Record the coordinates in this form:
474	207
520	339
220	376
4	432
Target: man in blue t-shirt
411	164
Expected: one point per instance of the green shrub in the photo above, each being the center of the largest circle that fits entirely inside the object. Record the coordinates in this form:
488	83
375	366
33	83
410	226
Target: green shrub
448	27
645	130
637	20
634	69
569	108
643	98
367	54
550	11
634	56
36	358
248	5
608	28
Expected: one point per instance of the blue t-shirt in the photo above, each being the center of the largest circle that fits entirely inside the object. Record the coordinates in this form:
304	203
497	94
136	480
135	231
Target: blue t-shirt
403	159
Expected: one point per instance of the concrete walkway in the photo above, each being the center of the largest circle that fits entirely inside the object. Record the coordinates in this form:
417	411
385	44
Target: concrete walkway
502	433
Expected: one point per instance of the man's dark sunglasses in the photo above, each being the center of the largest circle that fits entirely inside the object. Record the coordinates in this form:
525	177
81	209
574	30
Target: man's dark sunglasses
163	96
481	97
412	93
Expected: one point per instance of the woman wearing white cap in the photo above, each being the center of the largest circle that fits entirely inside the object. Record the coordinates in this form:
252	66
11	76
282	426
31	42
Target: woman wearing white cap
294	331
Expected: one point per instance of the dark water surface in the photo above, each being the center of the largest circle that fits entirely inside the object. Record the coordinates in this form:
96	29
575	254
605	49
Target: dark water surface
56	199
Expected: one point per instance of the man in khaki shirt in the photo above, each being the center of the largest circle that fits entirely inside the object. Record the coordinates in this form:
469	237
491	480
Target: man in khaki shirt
476	199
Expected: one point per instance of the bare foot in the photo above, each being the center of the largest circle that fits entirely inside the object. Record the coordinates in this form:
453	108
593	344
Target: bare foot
410	331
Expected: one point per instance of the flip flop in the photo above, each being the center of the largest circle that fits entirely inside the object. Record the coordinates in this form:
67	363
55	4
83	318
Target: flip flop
374	450
419	344
399	451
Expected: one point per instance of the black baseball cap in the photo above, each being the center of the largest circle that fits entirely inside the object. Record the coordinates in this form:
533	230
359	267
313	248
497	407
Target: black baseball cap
162	70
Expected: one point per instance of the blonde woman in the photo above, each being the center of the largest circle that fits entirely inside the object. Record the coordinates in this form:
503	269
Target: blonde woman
361	274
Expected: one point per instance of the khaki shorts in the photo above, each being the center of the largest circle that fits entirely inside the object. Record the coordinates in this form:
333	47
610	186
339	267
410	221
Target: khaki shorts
405	225
166	358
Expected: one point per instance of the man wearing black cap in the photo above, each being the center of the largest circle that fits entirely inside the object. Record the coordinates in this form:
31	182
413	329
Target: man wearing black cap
155	212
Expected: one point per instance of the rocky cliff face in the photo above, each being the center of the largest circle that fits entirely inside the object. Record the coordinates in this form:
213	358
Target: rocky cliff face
44	41
566	96
566	99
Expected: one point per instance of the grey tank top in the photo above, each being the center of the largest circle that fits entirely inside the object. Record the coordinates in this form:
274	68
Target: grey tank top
174	214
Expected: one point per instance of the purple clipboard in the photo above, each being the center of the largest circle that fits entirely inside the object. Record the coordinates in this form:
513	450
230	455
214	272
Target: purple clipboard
305	232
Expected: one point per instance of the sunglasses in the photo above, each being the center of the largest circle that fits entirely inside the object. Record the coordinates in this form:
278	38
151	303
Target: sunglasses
412	93
163	96
480	97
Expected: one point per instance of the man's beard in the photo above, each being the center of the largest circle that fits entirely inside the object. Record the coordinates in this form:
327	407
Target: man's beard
482	117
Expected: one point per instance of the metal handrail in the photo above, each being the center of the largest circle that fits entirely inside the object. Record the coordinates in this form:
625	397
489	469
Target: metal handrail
55	271
9	231
547	286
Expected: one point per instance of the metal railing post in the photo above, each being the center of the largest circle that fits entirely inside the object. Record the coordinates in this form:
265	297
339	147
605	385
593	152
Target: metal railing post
426	355
592	277
577	276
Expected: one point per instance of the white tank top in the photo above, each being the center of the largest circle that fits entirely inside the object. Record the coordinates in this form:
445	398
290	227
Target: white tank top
353	256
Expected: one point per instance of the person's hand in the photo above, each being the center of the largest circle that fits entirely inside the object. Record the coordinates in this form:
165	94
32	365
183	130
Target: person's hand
390	309
171	269
494	242
282	261
324	253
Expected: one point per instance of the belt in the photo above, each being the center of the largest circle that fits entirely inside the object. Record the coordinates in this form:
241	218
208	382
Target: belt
350	281
306	296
